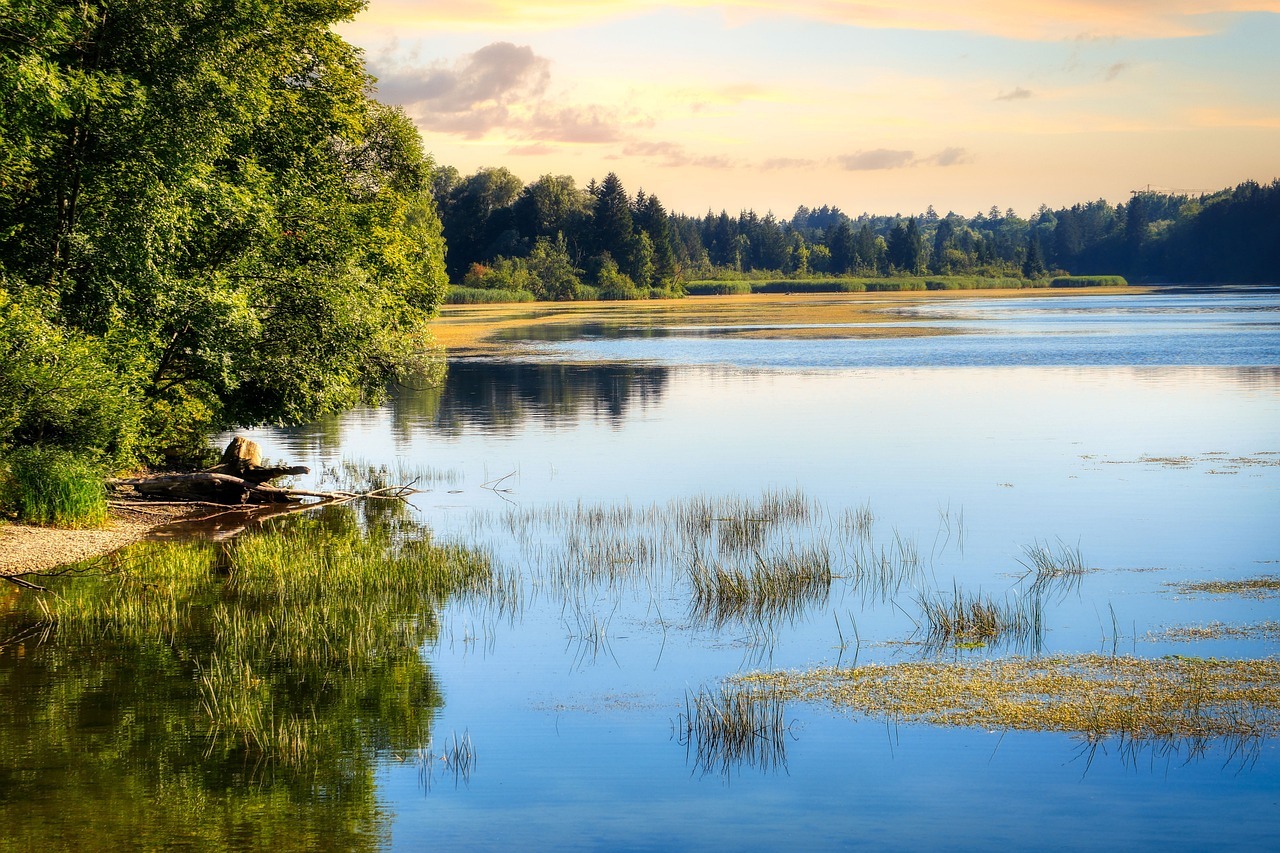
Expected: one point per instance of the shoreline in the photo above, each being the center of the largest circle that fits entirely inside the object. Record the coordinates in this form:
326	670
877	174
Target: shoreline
29	550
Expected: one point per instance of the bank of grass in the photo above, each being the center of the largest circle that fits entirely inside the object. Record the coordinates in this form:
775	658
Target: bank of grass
459	295
53	488
1097	696
846	284
1088	281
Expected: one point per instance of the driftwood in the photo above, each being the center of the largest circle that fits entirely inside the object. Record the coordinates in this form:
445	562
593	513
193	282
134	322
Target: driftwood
240	480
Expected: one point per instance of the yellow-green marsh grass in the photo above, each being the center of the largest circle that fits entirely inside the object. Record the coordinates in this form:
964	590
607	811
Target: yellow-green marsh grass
1217	631
1092	695
971	619
1259	587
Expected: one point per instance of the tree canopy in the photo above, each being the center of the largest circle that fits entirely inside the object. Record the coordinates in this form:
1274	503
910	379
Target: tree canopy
206	203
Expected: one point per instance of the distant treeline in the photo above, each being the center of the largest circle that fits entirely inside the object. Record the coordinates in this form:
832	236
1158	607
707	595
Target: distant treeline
551	239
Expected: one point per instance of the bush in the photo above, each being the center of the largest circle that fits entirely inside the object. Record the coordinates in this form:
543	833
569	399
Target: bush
54	487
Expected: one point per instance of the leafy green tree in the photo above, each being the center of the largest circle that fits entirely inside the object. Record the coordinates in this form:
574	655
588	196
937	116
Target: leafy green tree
556	276
209	192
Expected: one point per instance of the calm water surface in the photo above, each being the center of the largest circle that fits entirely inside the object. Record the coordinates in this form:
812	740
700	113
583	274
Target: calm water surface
1143	431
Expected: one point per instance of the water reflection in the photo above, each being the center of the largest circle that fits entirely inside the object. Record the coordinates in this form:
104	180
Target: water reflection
224	695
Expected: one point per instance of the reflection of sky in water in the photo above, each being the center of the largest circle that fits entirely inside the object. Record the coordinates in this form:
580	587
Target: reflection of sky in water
1028	453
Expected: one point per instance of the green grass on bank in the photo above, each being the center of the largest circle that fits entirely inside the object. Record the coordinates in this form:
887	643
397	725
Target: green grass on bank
1089	281
52	487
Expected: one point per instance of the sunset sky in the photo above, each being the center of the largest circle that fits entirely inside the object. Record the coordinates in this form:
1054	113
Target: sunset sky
873	106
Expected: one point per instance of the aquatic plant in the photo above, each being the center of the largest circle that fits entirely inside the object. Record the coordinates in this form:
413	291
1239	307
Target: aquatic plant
1047	566
963	618
1259	587
732	727
780	585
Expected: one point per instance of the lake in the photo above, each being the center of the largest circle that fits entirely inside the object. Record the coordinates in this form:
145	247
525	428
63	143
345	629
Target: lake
603	469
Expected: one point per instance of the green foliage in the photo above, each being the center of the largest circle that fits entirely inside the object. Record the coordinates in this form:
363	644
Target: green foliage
53	487
60	386
1088	281
616	285
236	241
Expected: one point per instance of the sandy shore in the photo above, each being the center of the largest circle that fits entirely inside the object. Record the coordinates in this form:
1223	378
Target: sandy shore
26	549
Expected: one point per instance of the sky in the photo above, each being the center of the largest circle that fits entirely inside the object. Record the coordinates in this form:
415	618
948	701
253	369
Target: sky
874	106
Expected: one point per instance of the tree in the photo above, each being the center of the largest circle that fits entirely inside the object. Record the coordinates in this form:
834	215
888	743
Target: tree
557	277
244	240
1033	262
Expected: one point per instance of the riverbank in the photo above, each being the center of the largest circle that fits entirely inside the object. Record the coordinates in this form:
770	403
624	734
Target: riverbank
31	550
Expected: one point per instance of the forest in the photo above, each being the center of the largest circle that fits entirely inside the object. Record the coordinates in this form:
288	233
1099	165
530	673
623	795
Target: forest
551	239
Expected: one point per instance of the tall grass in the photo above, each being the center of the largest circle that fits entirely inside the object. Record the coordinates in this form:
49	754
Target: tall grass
1089	281
725	729
975	619
459	295
52	487
852	284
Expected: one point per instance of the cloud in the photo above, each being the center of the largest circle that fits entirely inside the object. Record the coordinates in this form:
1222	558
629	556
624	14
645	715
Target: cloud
471	96
1018	94
674	155
1115	70
503	88
535	149
775	163
886	158
1048	20
949	157
877	159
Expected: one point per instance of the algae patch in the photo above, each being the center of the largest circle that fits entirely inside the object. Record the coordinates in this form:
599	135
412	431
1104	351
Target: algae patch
1093	695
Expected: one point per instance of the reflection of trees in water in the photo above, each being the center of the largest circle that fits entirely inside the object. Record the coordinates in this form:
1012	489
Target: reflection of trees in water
223	695
501	396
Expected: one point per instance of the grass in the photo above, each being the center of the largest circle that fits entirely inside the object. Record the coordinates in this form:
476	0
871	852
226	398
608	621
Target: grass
1218	631
963	619
728	728
291	631
1089	281
54	488
854	284
1092	695
456	754
782	585
459	295
1049	566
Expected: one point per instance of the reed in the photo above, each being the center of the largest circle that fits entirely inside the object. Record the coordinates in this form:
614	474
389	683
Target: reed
729	728
963	619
